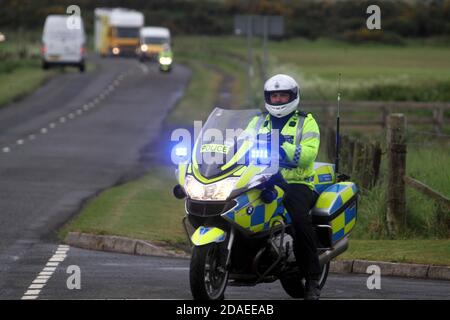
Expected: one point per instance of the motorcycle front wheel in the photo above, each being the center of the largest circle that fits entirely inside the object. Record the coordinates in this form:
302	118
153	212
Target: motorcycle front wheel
208	275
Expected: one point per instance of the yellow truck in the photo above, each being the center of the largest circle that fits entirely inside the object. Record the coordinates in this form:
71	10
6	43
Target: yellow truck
116	31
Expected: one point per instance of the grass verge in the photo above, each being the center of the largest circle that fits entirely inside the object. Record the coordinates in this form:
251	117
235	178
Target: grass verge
436	252
143	209
20	82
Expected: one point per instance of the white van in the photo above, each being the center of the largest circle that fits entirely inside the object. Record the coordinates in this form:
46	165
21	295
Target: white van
153	40
63	42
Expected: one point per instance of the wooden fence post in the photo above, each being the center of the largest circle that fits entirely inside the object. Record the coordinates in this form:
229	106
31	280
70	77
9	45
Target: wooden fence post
396	148
384	115
376	162
438	119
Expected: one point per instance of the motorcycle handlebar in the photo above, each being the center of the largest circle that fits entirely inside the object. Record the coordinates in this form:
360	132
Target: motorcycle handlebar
277	179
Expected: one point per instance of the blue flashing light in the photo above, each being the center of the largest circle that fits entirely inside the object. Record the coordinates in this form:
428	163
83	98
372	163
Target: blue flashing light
259	155
181	151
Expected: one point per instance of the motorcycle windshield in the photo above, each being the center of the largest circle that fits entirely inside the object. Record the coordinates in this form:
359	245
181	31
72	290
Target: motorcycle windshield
224	141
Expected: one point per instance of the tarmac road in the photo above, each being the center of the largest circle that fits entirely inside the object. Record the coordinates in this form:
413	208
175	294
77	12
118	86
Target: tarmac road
79	134
105	275
76	135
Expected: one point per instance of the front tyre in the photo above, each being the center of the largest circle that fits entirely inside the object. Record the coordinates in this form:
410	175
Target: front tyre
208	275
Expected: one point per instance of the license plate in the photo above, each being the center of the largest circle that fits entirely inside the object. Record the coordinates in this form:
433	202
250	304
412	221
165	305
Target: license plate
53	57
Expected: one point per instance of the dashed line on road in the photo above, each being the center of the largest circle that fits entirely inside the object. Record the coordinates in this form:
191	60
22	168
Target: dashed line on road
63	119
41	280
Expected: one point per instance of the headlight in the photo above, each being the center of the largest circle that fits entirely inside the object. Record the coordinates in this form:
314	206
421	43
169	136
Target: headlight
214	191
165	60
115	51
144	47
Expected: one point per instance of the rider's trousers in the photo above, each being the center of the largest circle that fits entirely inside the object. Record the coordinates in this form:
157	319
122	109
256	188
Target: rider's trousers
298	202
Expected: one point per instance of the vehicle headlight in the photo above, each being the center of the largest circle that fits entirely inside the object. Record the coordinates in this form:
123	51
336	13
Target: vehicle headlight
144	47
115	50
165	60
214	191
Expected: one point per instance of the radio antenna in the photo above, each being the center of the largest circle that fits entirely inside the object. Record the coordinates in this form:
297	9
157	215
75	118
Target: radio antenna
336	165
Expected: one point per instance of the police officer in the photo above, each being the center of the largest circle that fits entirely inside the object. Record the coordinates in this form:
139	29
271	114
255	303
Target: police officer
299	145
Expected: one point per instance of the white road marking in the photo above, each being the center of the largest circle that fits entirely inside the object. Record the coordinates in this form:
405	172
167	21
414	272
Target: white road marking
50	269
36	286
32	292
39	281
55	259
85	107
52	264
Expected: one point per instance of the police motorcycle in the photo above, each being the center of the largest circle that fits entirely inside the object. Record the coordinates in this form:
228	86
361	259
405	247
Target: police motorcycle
240	232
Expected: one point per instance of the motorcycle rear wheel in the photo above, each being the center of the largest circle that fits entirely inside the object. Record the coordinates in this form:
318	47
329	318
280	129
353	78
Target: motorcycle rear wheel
294	283
208	275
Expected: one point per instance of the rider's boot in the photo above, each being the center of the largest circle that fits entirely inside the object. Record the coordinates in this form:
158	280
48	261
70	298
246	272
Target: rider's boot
312	290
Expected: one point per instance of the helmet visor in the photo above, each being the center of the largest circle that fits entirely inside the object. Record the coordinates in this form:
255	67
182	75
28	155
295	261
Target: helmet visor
280	97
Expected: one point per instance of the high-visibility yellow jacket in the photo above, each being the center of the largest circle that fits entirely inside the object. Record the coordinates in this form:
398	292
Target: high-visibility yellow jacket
302	136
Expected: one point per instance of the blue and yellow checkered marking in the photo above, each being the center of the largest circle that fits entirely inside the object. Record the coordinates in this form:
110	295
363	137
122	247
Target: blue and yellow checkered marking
344	223
262	216
333	199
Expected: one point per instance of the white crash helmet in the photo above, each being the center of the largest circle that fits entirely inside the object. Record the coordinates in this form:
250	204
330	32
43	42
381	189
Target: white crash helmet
281	83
